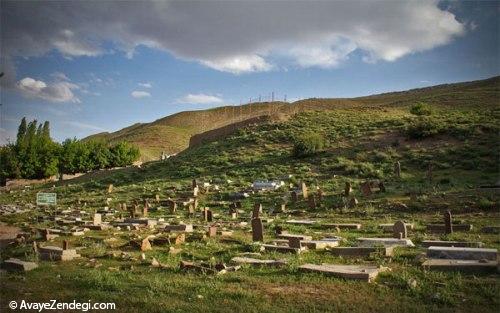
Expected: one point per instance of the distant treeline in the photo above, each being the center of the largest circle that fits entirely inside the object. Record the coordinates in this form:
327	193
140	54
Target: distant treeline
35	155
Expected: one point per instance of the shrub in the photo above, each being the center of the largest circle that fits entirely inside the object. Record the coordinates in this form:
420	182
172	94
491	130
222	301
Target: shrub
420	109
308	144
423	128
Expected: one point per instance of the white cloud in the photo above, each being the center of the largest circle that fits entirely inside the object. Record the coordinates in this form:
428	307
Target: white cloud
85	126
59	91
140	94
146	85
199	99
231	36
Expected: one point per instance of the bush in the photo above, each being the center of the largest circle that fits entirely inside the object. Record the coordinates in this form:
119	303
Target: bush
308	144
423	128
420	109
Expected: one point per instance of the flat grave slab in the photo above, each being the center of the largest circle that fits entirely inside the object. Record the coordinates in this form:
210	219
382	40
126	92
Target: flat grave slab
301	222
288	236
282	249
50	253
386	242
319	244
187	228
18	265
440	228
258	262
365	273
442	243
461	265
362	251
491	230
388	228
459	253
342	226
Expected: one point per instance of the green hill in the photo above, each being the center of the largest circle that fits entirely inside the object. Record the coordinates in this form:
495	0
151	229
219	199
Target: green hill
171	134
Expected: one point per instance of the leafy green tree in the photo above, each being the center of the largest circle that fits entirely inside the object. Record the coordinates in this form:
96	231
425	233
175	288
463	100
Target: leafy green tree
123	154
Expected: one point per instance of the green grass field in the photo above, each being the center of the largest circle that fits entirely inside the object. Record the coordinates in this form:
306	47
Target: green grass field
363	142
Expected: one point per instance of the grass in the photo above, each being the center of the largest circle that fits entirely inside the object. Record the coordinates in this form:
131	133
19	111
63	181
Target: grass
363	141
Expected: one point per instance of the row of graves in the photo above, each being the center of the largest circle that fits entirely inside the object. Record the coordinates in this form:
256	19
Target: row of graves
147	232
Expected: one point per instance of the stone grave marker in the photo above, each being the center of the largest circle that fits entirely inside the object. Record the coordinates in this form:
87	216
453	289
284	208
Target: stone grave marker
194	184
157	197
397	169
366	189
347	189
97	219
399	230
212	231
257	210
294	242
110	188
353	202
146	245
304	190
195	191
257	230
180	239
448	226
312	202
65	245
172	206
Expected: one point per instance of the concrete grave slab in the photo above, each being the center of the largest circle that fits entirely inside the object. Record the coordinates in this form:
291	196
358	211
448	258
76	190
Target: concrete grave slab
459	253
16	265
461	265
258	262
441	243
342	226
365	273
386	242
362	251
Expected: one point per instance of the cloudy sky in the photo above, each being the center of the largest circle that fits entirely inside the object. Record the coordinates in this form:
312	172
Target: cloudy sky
89	67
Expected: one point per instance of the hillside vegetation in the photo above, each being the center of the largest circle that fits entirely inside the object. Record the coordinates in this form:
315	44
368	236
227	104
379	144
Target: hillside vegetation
171	134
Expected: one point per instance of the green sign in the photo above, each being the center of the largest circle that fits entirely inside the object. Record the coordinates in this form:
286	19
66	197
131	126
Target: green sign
45	198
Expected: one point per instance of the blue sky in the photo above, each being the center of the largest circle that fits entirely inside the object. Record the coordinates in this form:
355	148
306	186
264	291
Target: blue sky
86	76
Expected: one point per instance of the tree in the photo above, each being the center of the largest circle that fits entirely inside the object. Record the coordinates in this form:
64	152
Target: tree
123	154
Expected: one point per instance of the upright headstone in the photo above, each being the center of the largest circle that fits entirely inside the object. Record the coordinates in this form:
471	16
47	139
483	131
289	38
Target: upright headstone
312	202
397	169
366	189
172	206
212	231
399	230
65	245
146	245
157	197
97	219
257	230
191	209
304	190
194	184
209	216
195	191
145	211
448	226
257	209
347	189
110	188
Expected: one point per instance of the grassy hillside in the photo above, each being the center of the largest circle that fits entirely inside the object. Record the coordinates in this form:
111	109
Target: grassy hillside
171	134
364	138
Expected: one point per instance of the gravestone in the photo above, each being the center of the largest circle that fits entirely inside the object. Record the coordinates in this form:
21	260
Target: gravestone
399	230
145	211
448	226
347	189
353	202
295	197
320	195
397	169
157	197
195	203
209	216
381	186
294	242
65	245
366	189
172	206
190	209
257	230
212	231
304	190
180	239
257	209
146	245
195	191
312	202
110	188
194	184
97	219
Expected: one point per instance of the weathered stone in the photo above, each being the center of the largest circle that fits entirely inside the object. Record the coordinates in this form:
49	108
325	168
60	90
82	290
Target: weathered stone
282	249
347	189
257	230
18	265
212	231
353	202
362	251
441	228
365	272
448	225
257	210
97	219
342	226
386	242
294	242
440	243
399	230
51	253
258	262
312	202
146	245
459	253
366	189
180	239
110	188
397	169
188	228
303	187
473	266
299	237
